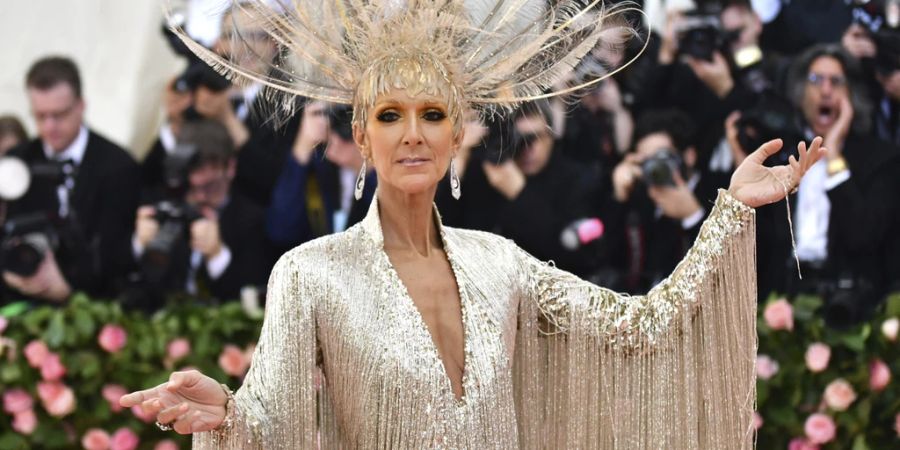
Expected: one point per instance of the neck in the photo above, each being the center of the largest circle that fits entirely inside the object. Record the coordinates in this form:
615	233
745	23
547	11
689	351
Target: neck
407	220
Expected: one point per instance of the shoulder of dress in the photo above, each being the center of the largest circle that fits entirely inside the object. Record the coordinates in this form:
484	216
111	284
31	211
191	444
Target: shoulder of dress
461	235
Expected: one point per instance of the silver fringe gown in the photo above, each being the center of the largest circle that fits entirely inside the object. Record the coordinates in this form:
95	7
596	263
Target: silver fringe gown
551	361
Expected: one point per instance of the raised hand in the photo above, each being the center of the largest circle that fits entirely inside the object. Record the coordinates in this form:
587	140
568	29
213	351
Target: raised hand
756	185
189	402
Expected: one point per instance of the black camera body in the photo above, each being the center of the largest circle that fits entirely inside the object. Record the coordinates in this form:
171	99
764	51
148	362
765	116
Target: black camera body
773	117
660	169
700	35
26	240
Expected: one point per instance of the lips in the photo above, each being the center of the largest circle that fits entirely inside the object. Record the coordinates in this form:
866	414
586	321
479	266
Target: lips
825	115
412	161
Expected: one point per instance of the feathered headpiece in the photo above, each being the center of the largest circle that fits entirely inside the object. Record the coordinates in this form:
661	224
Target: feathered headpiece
481	53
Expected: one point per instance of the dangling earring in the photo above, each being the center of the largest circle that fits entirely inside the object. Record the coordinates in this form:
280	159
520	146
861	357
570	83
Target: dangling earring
360	181
455	190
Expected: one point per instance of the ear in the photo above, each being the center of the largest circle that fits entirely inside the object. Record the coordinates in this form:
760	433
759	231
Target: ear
359	137
458	140
231	168
690	157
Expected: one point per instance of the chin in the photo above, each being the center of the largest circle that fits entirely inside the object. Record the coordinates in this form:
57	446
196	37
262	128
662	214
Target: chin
417	184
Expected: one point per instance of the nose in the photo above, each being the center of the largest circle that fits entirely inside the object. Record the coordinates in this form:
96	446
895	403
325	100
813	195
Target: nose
412	135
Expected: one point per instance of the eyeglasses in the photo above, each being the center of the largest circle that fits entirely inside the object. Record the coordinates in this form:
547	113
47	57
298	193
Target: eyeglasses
56	116
817	80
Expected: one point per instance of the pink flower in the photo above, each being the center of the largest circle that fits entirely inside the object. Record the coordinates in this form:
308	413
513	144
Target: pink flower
35	352
112	338
57	398
819	428
766	367
140	414
166	444
817	356
95	439
801	444
3	324
178	348
233	361
779	315
16	401
112	393
757	421
24	422
879	375
839	395
897	424
52	368
124	439
889	328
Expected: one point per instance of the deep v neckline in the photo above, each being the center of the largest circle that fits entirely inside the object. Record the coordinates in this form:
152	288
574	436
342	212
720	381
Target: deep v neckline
420	323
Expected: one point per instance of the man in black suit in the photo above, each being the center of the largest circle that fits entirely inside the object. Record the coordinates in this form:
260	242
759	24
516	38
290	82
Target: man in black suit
215	244
846	210
91	207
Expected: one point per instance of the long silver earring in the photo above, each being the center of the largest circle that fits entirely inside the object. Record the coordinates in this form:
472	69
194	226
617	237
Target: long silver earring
455	190
360	182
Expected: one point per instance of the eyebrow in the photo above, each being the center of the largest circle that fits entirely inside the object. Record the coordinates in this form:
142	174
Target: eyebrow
425	104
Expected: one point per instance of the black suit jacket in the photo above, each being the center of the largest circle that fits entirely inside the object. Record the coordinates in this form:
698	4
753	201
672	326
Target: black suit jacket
864	222
95	252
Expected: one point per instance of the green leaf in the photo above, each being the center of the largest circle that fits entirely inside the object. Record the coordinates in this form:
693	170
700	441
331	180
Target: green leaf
13	441
56	330
860	443
10	373
84	324
893	305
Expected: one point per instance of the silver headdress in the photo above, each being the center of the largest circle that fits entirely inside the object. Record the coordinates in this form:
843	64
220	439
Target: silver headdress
480	53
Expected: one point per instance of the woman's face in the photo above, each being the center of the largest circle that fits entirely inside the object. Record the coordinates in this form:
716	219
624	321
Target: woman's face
409	140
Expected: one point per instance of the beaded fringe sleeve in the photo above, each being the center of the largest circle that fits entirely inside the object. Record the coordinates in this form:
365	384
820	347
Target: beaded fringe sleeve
673	369
590	368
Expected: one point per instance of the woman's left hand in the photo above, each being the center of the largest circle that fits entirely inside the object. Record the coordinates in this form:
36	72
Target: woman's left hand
756	185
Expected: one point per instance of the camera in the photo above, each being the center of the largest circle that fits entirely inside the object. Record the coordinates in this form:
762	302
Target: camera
700	35
773	117
198	73
848	301
175	219
660	169
27	238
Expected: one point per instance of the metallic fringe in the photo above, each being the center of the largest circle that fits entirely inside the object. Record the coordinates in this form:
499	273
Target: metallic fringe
591	368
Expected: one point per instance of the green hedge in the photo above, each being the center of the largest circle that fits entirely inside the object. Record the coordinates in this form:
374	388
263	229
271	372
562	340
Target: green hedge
85	336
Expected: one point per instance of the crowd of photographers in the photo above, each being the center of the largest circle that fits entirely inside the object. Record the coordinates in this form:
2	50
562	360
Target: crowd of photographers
613	187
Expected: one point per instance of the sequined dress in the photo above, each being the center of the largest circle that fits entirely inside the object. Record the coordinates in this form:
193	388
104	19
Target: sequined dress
345	359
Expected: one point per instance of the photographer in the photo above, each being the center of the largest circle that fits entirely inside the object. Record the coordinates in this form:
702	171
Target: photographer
210	241
201	93
710	65
314	195
528	191
847	206
90	207
660	199
887	72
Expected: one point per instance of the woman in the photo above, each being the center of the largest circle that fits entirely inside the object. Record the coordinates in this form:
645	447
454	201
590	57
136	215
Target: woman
403	333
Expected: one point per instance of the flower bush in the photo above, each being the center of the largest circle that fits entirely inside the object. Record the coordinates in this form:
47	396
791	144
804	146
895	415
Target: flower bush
62	371
832	389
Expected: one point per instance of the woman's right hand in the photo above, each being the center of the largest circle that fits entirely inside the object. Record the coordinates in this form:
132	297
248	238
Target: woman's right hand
190	402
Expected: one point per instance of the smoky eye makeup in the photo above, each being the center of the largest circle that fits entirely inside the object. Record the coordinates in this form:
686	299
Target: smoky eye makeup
434	115
388	115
